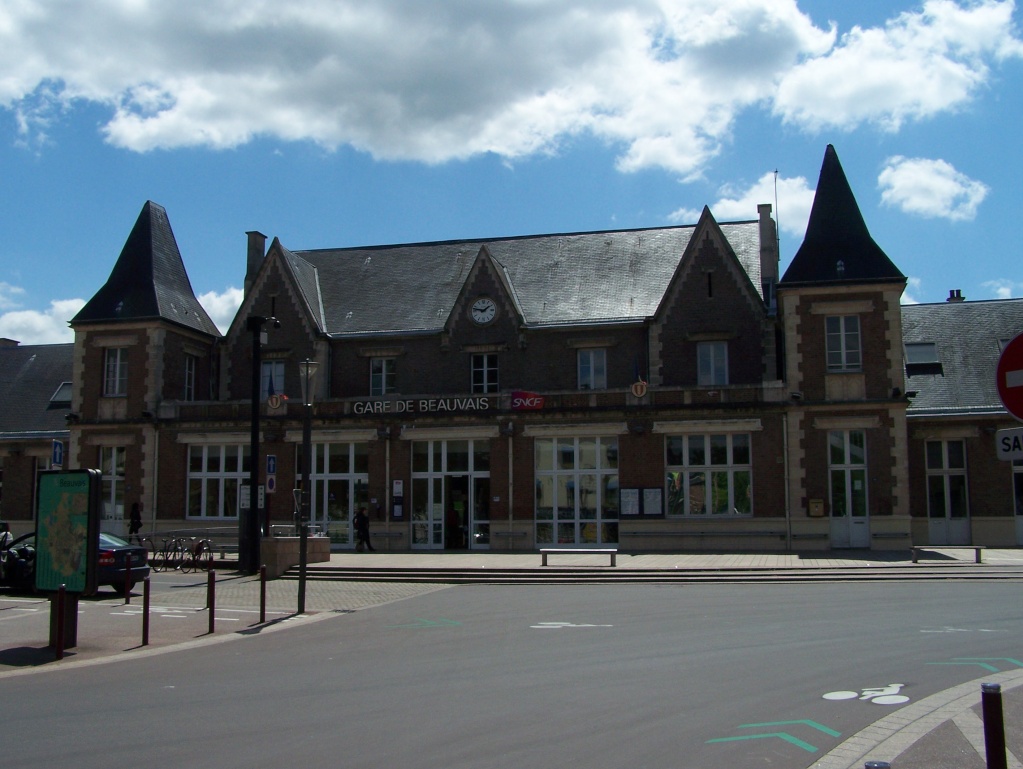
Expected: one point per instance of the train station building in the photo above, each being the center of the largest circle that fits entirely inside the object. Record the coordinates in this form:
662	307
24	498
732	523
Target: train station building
655	389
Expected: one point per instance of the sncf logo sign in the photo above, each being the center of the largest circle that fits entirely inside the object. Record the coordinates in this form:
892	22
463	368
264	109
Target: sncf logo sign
526	401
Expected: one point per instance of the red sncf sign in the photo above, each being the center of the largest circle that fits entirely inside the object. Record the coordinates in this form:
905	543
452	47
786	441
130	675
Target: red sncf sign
1010	377
526	401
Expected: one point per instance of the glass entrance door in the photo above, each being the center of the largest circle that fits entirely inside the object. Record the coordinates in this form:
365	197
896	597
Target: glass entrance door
450	493
948	513
847	455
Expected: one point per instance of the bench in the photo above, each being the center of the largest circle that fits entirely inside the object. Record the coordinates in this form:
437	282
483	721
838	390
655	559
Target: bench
975	548
545	551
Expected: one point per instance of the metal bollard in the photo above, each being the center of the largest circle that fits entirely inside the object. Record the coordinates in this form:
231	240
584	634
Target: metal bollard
127	578
262	594
994	726
61	598
145	612
211	596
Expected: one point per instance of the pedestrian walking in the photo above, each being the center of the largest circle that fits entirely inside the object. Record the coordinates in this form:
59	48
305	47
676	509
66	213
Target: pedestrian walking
135	523
362	531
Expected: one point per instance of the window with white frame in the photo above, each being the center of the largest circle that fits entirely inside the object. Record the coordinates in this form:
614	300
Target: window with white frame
111	464
484	373
382	376
593	369
577	499
115	371
271	379
712	363
216	473
191	363
946	479
847	473
709	474
843	343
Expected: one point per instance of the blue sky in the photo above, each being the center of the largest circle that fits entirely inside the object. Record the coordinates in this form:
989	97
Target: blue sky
331	123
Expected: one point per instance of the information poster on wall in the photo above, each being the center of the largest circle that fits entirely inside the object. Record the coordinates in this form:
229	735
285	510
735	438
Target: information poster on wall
652	502
629	499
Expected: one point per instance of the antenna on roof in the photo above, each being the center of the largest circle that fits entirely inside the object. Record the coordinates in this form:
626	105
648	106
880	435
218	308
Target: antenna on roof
777	213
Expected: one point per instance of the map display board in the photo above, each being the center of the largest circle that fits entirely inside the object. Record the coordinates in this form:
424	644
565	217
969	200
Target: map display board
67	530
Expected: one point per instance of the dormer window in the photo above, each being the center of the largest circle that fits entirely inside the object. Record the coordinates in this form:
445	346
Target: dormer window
922	358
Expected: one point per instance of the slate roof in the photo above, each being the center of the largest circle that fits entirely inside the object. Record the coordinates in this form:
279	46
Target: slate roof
561	279
967	336
148	281
837	233
30	375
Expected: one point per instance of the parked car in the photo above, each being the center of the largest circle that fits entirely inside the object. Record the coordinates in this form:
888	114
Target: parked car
18	562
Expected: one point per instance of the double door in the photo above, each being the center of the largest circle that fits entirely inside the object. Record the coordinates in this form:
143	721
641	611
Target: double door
450	512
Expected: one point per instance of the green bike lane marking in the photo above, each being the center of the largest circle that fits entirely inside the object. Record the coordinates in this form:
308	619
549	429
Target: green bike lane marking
792	739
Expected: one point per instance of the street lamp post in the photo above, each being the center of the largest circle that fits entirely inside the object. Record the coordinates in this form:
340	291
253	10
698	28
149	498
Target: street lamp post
307	370
248	519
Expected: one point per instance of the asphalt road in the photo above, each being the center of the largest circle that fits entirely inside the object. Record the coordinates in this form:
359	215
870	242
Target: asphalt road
502	676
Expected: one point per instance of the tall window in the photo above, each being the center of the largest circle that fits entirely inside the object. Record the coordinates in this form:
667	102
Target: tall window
272	379
843	343
111	464
484	373
215	474
593	369
712	363
576	490
709	474
382	376
847	467
946	479
115	371
190	366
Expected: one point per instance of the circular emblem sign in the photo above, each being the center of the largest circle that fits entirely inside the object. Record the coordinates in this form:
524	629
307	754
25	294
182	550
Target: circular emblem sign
274	401
639	388
1010	377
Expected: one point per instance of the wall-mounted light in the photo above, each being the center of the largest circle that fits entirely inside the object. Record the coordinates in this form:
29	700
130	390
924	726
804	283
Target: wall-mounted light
72	418
796	396
383	432
508	430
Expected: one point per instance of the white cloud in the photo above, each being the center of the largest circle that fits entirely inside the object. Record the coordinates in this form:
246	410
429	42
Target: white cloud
1002	288
222	307
930	188
913	288
10	296
794	200
34	327
920	64
436	80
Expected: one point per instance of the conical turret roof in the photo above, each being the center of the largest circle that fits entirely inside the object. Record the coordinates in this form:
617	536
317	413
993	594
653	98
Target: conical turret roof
838	247
148	281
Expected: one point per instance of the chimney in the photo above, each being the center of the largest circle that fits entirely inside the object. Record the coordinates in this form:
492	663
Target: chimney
256	251
769	256
956	295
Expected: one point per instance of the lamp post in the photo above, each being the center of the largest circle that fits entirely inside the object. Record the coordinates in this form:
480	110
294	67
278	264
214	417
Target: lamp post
248	519
307	370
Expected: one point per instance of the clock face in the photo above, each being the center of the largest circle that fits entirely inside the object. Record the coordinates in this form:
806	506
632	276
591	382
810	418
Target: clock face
483	310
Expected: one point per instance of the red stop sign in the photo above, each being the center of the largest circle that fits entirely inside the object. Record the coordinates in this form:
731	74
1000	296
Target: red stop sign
1010	377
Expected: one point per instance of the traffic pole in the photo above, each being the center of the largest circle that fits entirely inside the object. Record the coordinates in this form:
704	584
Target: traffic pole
211	596
994	725
262	594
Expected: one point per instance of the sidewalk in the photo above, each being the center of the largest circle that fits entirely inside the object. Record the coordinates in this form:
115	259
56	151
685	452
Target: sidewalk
943	731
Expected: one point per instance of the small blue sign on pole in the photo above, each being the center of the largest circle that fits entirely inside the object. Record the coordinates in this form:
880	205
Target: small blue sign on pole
271	464
57	455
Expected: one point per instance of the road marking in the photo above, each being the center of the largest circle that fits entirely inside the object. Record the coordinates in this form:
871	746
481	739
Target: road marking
423	623
780	735
962	630
559	625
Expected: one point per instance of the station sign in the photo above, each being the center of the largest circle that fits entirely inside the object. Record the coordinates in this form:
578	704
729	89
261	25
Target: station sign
1009	443
420	405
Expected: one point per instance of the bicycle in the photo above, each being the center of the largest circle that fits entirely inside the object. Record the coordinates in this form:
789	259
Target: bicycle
196	555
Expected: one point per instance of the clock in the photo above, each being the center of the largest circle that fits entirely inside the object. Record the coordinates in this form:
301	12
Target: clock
483	310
